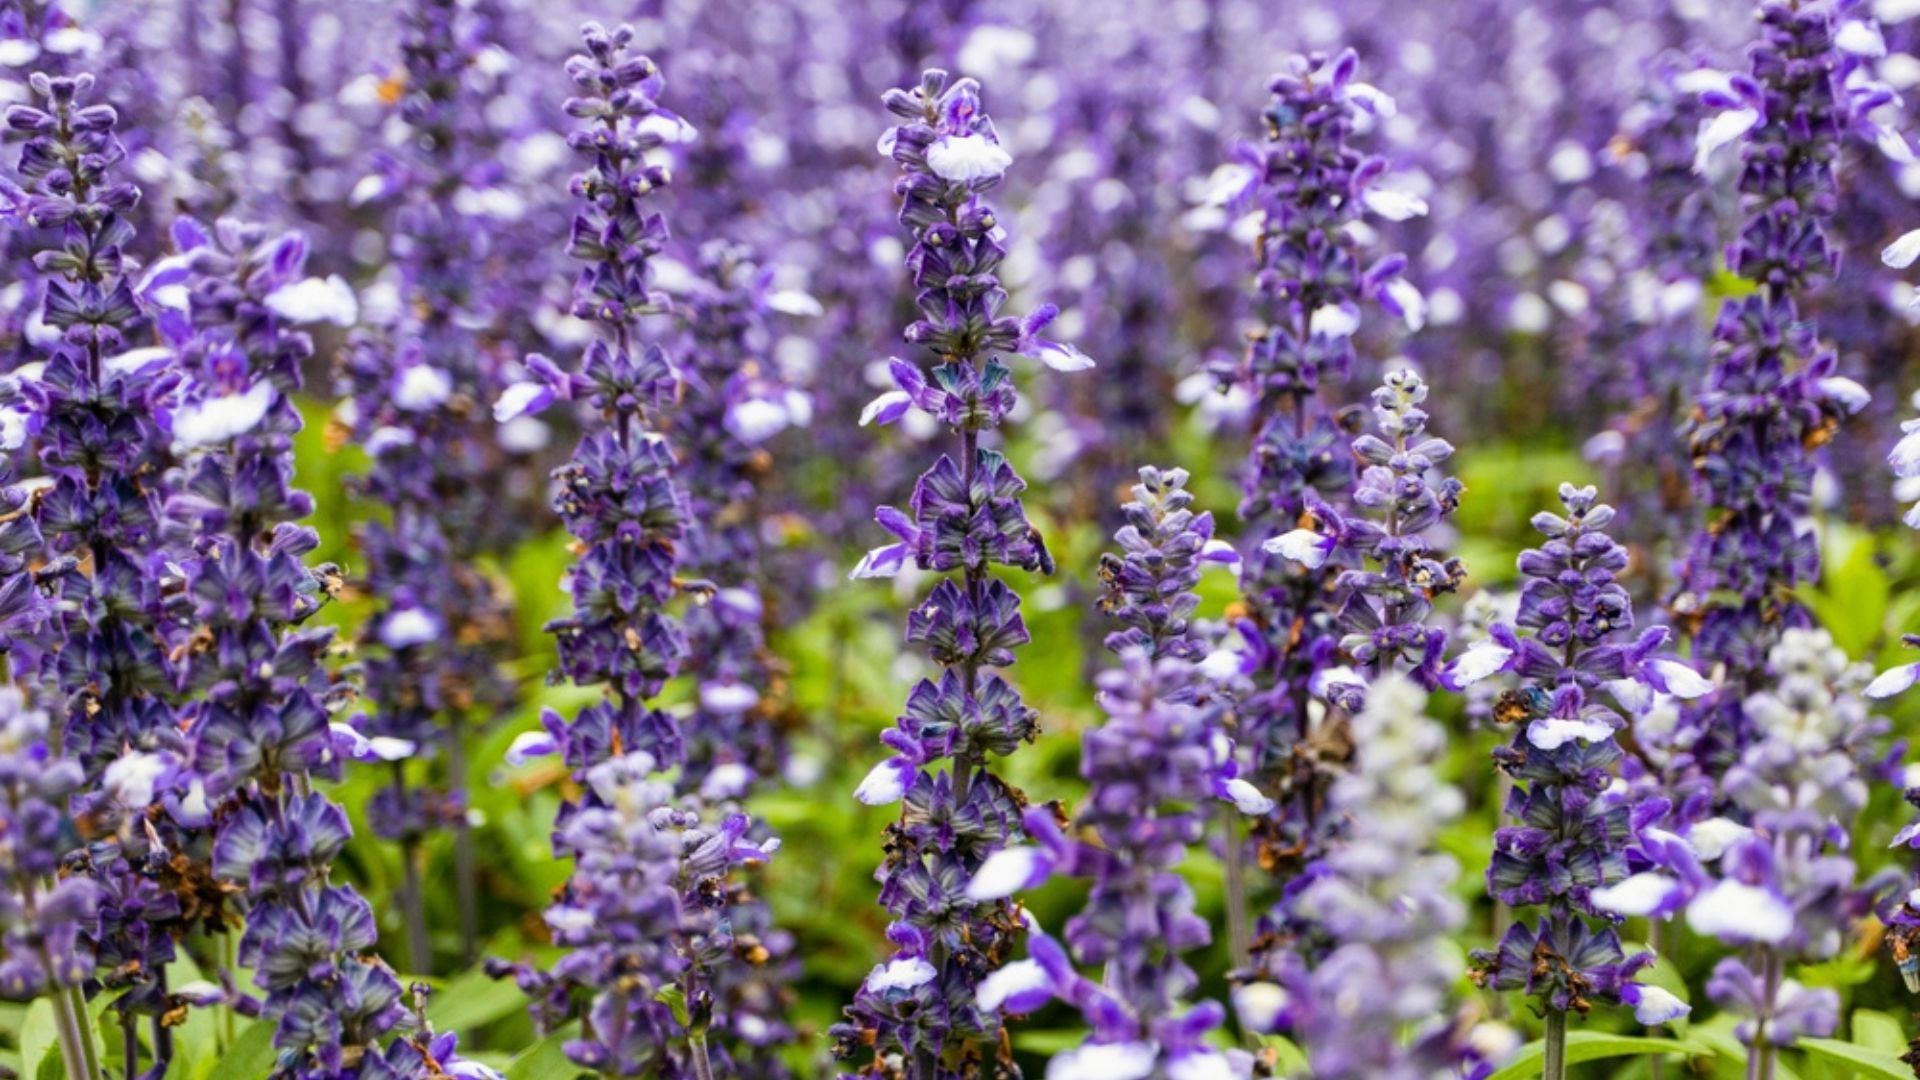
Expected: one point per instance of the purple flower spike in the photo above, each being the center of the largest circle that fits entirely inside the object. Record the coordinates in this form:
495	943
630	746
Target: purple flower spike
965	518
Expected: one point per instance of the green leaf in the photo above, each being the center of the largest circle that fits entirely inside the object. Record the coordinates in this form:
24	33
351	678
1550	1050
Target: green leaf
1593	1046
1717	1032
1872	1064
545	1060
39	1036
1287	1058
675	999
1875	1030
473	1000
250	1057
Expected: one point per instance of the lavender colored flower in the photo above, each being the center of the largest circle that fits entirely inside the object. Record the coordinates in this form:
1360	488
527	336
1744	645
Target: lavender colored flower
644	915
1151	769
1384	610
258	721
966	516
1312	186
1573	829
1773	392
415	390
1365	987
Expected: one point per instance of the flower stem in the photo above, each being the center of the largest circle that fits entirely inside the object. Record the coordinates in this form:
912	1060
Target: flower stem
465	878
1761	1054
1239	927
1556	1056
702	1066
70	1026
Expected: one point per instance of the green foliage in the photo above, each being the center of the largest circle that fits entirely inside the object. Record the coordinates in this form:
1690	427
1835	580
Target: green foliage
1595	1046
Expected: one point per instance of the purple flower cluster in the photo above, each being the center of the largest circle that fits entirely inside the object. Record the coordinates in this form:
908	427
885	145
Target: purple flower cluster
1383	611
644	915
415	395
965	517
1573	831
1311	187
1151	769
1773	394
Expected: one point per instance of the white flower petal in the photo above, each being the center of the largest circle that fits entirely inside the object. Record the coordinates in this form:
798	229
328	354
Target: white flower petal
1019	979
885	403
1105	1061
1333	321
795	302
1304	546
1737	912
223	419
311	300
519	399
885	783
1639	895
1719	131
1005	872
1902	252
1682	681
1551	733
1061	357
904	973
1484	658
408	627
1861	38
966	158
1259	1005
1711	838
1658	1006
1894	680
422	388
756	420
1248	798
1394	205
728	697
130	779
529	745
1851	395
1413	306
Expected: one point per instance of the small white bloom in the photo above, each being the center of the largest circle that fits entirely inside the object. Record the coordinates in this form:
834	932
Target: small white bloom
967	158
408	627
1203	1065
1638	895
1061	356
1720	131
669	129
18	52
1551	733
1711	838
1334	321
13	429
1105	1061
1905	457
1010	981
1394	205
311	300
1861	38
1893	681
902	974
1248	798
1484	658
1658	1006
1304	546
518	400
422	388
367	189
529	745
1736	911
222	419
756	420
1704	81
130	779
1682	681
1851	395
1413	306
1005	872
136	360
728	697
1902	252
1259	1006
883	785
795	302
892	399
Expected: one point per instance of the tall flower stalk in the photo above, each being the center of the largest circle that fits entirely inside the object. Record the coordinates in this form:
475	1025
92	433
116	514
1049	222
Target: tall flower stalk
1313	188
644	916
1572	829
965	518
1153	769
416	395
262	692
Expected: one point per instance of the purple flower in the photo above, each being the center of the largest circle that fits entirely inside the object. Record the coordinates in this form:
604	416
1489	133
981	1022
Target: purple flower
965	517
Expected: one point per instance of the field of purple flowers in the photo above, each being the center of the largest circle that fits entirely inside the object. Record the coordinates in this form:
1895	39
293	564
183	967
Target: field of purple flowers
959	539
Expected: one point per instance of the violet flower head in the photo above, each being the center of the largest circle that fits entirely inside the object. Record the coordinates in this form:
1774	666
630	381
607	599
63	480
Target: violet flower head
965	517
1312	186
258	723
1387	594
1152	769
644	913
1569	654
1773	393
1366	989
